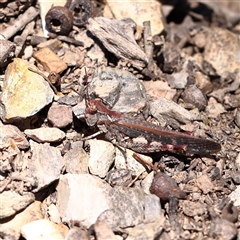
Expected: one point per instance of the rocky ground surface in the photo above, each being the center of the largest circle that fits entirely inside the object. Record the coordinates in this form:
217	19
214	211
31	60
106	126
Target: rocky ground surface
171	64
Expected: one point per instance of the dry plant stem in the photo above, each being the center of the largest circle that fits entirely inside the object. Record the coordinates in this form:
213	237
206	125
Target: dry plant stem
20	22
148	43
141	160
71	41
27	31
134	180
41	74
173	208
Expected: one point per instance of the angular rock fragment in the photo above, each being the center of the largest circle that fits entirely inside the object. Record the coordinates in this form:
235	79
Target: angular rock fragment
24	92
12	202
117	37
82	197
12	132
50	61
45	165
169	112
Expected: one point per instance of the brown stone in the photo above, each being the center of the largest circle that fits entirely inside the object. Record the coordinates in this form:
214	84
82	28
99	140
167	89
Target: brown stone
60	115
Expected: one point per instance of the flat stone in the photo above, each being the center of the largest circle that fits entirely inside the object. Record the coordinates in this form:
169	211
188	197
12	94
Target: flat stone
101	157
45	165
42	135
119	88
117	36
130	207
41	229
12	202
71	58
224	57
50	61
60	115
138	11
24	92
178	80
82	197
12	132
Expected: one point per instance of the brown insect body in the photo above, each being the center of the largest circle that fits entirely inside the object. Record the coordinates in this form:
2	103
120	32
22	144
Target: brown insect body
142	136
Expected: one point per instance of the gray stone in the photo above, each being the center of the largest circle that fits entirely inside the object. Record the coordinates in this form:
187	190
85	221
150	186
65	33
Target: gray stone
76	160
170	113
130	207
46	164
82	197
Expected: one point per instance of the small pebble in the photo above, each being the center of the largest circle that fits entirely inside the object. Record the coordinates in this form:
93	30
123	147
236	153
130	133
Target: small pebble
60	115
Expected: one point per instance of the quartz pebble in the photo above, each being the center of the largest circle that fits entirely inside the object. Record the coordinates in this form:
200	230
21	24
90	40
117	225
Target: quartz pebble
41	229
101	157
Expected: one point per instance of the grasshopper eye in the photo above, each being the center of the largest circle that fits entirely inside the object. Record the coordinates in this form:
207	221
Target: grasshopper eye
92	107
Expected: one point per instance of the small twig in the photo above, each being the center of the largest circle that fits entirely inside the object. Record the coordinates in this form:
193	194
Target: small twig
148	44
20	40
20	22
92	136
41	74
134	180
143	161
71	41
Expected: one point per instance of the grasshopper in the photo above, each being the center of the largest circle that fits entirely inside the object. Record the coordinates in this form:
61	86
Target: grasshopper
139	135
